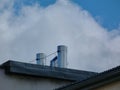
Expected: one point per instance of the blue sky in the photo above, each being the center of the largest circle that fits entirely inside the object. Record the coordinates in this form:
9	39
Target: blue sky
106	12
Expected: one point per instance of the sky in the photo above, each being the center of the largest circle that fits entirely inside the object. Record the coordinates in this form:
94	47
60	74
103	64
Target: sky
90	29
106	12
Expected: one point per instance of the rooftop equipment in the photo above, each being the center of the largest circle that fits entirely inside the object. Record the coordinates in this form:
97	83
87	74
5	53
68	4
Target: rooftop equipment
58	61
40	58
62	56
53	62
61	59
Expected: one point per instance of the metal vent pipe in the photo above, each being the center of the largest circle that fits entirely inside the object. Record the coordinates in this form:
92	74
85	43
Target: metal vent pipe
40	58
62	56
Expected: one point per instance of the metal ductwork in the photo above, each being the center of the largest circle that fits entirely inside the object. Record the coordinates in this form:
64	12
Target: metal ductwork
62	56
40	58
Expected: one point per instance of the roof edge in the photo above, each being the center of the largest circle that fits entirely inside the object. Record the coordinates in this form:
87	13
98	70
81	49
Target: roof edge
96	80
15	67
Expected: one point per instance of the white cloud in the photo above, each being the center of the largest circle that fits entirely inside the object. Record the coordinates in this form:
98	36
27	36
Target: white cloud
37	29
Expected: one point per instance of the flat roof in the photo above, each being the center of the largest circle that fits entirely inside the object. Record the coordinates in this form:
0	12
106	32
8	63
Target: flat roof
15	67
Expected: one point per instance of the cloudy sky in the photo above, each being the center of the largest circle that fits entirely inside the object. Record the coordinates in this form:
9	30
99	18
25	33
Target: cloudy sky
90	29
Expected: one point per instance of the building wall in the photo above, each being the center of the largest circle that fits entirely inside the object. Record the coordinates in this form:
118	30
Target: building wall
20	82
112	86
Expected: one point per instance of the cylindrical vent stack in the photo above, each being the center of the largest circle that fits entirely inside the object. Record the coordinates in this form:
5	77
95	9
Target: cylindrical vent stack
62	56
40	58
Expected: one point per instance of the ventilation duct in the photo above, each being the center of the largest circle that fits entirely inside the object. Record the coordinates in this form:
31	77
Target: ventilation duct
62	56
40	58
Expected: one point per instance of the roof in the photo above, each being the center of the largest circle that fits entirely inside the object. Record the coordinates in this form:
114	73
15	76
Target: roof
20	68
92	82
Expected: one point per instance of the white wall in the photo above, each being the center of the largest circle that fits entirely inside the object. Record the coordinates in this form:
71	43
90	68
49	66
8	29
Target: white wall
20	82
